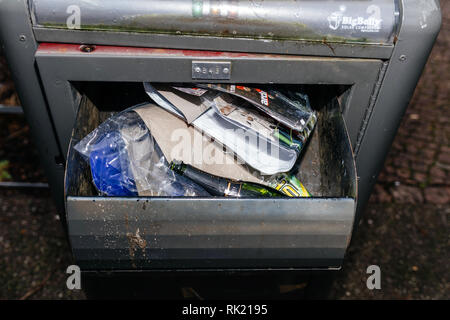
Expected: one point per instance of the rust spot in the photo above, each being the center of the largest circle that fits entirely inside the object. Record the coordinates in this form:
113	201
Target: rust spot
395	39
324	41
136	242
226	110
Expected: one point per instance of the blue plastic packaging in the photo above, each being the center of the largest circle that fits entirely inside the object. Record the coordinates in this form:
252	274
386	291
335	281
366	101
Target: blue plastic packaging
126	161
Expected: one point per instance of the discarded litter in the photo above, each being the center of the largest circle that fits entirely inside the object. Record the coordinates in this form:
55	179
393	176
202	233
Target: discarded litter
258	135
289	185
219	186
246	118
292	109
254	139
126	161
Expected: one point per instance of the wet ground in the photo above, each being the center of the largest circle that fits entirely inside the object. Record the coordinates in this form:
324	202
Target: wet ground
404	230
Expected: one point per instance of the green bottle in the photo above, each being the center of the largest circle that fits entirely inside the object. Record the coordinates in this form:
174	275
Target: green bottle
218	186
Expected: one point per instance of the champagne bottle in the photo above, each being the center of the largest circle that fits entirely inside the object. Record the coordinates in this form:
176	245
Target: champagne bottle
219	186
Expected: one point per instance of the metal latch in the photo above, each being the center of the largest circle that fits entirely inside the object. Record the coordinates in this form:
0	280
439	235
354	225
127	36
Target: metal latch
211	70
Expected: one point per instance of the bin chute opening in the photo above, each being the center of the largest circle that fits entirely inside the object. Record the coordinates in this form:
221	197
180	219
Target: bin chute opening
321	164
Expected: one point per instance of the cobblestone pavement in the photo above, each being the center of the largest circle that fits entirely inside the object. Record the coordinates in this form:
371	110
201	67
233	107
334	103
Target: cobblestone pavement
34	251
404	229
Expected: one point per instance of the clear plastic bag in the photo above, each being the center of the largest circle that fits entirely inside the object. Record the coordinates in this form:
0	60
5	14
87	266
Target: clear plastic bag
125	160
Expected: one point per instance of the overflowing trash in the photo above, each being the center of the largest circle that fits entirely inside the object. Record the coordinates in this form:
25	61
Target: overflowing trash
211	140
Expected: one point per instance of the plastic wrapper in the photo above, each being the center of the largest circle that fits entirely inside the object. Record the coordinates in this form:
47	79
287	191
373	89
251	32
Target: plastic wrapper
126	161
292	109
242	138
243	112
244	116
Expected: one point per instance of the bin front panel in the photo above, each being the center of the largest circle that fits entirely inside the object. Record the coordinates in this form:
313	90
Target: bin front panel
123	233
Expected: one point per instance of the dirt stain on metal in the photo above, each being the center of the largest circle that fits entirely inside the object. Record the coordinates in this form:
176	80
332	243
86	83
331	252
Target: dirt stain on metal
136	242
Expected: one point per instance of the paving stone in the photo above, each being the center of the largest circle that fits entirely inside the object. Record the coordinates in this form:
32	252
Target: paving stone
380	195
420	177
437	176
403	173
437	195
429	153
406	194
444	157
419	166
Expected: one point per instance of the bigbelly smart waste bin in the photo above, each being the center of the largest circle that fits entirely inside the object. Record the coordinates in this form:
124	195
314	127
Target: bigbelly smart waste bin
77	62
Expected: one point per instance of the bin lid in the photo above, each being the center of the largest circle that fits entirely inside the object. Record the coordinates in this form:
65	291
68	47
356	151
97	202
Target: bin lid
360	21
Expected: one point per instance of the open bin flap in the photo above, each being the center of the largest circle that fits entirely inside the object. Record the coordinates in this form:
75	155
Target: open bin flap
150	233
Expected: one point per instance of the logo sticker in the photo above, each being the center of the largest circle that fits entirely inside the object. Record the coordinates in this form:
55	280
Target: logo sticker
340	20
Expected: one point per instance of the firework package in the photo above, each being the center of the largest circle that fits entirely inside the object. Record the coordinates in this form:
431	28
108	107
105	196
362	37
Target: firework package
235	141
292	109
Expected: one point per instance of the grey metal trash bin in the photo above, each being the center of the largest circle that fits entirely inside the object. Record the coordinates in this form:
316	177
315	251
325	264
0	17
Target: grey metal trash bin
359	61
